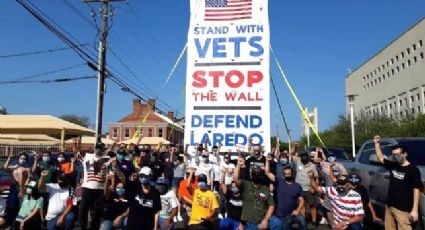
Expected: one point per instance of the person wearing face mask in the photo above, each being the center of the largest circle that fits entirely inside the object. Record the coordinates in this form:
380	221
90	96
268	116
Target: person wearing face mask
169	203
124	165
45	163
157	166
59	211
257	160
227	168
65	167
204	205
206	167
347	206
289	198
116	208
32	203
258	204
144	202
232	204
21	174
402	202
303	166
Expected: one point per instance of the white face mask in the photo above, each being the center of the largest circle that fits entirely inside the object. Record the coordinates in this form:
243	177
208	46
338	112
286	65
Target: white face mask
61	159
46	158
21	161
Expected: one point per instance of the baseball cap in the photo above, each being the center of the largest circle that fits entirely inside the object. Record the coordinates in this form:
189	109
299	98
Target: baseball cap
146	171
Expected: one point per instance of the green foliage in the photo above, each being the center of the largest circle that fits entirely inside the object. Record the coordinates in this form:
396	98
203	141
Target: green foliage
339	135
283	145
76	119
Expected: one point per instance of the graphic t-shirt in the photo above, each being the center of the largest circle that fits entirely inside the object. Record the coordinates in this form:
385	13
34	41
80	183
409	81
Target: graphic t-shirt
203	206
256	201
143	207
92	179
344	207
234	205
403	179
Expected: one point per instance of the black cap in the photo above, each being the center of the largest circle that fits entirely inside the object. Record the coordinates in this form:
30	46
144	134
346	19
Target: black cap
202	178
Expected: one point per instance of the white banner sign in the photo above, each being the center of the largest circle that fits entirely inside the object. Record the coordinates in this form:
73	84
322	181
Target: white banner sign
227	79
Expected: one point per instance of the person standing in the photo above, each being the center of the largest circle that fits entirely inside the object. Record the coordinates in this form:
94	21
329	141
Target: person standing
402	202
169	203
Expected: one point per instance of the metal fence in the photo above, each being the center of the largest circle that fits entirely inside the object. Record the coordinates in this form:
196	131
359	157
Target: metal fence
14	149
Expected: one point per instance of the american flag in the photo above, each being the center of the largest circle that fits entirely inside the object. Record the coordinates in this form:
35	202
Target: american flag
227	10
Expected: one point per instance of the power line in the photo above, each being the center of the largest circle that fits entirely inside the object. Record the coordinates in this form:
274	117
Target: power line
281	110
57	80
48	72
38	52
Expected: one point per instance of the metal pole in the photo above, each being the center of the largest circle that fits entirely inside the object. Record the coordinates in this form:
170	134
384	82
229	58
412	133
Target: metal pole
353	141
101	71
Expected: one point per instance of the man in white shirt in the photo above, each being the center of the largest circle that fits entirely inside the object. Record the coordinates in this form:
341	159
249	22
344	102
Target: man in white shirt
59	212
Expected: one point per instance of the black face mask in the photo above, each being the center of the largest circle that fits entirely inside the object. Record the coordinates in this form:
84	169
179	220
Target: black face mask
289	178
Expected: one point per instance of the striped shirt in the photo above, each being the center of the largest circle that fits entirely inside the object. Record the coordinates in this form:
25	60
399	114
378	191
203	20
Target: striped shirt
92	180
344	207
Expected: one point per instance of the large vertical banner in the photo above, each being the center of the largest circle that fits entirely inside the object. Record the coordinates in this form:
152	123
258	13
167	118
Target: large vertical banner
227	79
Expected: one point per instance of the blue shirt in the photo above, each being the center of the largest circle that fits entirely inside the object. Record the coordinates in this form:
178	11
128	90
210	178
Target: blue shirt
287	197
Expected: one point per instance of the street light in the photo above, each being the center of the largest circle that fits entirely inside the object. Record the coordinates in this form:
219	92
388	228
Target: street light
353	140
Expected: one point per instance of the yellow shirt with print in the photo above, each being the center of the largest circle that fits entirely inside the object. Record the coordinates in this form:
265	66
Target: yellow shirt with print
203	206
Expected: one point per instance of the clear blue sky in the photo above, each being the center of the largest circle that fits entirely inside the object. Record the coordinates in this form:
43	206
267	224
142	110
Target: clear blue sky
316	42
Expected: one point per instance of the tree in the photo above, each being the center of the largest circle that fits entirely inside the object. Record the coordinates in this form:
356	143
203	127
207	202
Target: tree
76	119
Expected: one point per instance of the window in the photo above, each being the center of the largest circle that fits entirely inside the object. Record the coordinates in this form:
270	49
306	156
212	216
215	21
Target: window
401	114
408	63
396	57
402	54
376	81
414	46
379	69
160	133
392	72
418	96
415	59
408	50
383	67
403	65
364	78
412	99
388	63
150	133
126	133
367	76
419	109
388	74
369	149
398	69
383	77
400	103
413	110
379	79
391	106
420	43
114	133
392	61
421	55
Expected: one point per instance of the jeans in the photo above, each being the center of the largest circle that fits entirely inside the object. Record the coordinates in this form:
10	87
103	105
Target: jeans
89	200
355	226
287	221
109	225
274	224
67	225
161	222
228	224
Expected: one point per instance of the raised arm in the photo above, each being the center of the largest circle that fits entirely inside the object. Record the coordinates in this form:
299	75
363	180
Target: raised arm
34	165
42	181
188	185
222	181
236	174
313	182
6	164
378	150
270	175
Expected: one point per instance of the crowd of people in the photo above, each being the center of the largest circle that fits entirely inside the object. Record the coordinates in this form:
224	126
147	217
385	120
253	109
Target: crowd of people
165	187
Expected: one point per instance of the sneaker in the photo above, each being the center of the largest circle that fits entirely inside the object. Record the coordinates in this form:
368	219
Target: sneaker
323	221
179	218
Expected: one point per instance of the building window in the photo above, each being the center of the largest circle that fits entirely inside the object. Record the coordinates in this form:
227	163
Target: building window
420	43
418	96
419	109
376	81
388	63
392	61
160	133
412	99
388	74
114	133
150	132
383	67
392	72
415	59
421	55
402	54
396	57
413	110
400	103
408	50
408	63
398	69
126	133
403	65
391	106
414	46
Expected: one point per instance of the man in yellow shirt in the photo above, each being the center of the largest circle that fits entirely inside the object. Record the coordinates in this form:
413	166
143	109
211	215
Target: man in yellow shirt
204	205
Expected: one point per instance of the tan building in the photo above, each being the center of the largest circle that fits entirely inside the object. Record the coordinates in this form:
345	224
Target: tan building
392	82
156	124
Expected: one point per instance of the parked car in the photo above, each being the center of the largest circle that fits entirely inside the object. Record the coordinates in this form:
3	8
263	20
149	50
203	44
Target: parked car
375	177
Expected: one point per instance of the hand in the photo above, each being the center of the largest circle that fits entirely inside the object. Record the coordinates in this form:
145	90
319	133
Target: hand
310	173
73	160
414	216
295	213
340	226
166	224
60	221
44	173
117	222
377	139
263	225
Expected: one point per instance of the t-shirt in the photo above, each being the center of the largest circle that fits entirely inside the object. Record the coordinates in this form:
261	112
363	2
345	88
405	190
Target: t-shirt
143	207
183	192
289	195
115	208
169	201
257	200
65	167
58	198
233	205
125	167
157	169
28	205
228	178
91	179
203	206
344	207
179	170
217	172
205	169
261	163
302	176
403	179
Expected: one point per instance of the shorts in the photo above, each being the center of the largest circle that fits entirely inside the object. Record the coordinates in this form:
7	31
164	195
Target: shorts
310	198
176	182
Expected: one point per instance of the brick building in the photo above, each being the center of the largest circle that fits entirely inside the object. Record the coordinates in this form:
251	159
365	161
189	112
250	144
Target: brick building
156	124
